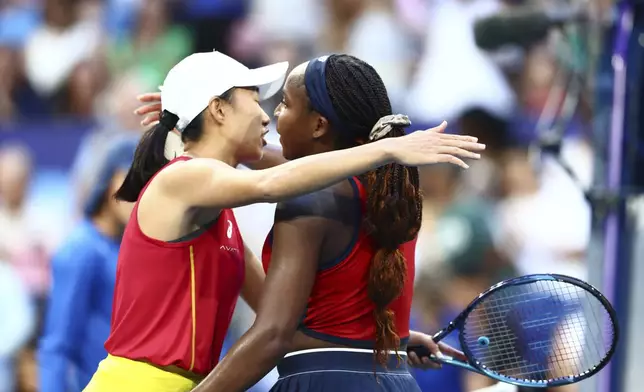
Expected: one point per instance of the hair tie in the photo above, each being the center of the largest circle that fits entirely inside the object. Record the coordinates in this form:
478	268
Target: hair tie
386	124
168	120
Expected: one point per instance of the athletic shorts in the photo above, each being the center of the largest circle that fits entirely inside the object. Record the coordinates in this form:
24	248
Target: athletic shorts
343	370
117	374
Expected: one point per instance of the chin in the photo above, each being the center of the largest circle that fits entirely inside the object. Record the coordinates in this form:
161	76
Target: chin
253	157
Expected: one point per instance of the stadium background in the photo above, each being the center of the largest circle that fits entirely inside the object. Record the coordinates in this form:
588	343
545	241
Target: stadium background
70	71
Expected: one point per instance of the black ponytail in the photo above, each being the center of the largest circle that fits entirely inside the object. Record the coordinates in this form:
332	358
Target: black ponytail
149	158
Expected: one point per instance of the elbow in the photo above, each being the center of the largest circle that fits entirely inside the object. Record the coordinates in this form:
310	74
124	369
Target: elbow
275	340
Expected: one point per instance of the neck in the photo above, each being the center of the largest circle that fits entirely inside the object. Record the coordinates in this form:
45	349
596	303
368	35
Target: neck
320	149
220	150
107	224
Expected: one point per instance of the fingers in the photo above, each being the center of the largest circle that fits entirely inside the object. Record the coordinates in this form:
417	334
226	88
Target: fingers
441	128
151	119
413	360
472	146
461	152
422	363
445	158
452	352
429	364
151	108
463	138
149	97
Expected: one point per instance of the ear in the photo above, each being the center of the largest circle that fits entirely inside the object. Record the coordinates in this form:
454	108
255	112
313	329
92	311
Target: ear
219	109
322	127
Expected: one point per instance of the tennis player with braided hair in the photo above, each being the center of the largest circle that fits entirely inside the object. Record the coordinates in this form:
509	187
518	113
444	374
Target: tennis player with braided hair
183	263
339	261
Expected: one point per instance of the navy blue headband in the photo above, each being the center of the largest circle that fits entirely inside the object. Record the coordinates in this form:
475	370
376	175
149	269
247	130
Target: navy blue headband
315	82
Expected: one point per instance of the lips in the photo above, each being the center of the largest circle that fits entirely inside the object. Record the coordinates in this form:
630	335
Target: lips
264	143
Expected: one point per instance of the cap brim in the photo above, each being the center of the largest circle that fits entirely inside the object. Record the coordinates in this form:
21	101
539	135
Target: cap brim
268	79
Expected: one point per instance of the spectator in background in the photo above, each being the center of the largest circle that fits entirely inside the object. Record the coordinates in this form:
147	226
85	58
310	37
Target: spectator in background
378	37
18	19
483	179
115	115
154	47
213	21
464	75
9	71
84	273
342	15
21	242
17	324
453	221
62	60
466	263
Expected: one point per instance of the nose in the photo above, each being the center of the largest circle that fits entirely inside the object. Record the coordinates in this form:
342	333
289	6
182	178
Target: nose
265	119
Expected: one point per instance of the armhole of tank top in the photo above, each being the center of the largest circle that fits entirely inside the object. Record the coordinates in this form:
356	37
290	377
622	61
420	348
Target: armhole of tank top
186	240
357	194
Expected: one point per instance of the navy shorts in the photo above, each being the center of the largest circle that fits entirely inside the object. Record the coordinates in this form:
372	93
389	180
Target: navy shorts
342	370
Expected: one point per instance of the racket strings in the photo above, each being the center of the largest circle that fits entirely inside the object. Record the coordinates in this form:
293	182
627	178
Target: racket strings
539	332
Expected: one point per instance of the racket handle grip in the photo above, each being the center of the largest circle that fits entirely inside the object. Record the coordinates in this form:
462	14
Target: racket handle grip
421	351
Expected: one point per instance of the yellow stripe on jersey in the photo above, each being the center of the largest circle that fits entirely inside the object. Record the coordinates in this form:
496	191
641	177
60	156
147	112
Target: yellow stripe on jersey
193	306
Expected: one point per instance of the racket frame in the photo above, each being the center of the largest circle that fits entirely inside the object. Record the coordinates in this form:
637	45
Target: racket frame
474	366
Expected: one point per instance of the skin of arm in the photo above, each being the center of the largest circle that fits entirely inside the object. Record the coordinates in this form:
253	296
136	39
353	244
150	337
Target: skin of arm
253	279
198	182
297	240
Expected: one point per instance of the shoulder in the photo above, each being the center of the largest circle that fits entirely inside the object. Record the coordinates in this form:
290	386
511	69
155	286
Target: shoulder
337	203
322	204
189	170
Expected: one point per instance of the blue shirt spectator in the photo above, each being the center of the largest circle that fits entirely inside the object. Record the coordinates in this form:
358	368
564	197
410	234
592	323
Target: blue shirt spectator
84	273
80	308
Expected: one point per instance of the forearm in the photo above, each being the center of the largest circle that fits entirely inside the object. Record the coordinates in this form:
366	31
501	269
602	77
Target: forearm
250	359
315	172
272	157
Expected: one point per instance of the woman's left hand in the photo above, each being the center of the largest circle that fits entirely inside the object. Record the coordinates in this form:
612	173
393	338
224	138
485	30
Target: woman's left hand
437	349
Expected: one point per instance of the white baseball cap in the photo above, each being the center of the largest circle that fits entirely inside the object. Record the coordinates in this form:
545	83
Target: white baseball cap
191	84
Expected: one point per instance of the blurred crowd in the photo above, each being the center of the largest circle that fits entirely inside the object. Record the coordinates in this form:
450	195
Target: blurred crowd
81	63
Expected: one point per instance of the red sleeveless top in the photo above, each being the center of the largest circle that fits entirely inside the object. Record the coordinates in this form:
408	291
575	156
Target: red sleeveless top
173	301
339	309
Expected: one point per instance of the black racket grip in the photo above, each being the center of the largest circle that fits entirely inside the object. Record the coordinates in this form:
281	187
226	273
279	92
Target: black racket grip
421	351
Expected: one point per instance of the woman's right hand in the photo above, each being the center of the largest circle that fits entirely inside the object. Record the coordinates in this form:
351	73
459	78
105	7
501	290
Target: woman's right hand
433	146
151	108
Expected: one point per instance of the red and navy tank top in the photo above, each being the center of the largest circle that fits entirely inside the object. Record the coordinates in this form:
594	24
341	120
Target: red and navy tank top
173	301
339	310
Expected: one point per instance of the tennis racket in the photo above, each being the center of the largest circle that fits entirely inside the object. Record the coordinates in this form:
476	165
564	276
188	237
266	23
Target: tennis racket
537	331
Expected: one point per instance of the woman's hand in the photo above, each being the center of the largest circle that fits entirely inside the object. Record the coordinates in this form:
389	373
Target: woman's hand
433	146
437	350
151	108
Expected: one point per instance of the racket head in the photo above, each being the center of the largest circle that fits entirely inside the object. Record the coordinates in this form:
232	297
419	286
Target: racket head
540	330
